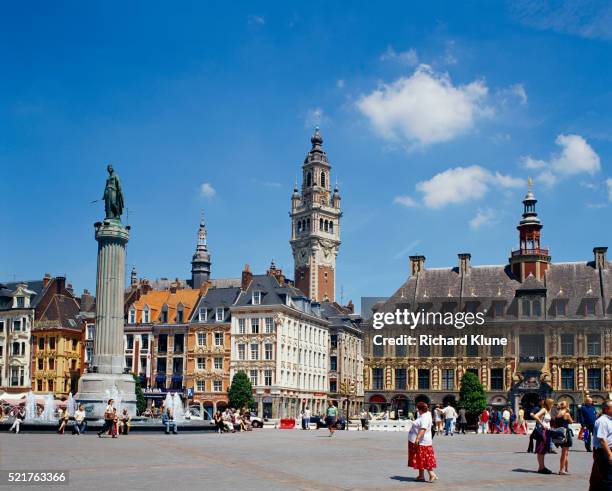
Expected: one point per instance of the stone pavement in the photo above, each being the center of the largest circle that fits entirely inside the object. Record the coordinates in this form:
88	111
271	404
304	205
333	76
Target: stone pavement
285	460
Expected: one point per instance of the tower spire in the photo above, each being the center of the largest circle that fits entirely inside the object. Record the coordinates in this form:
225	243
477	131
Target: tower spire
530	257
200	263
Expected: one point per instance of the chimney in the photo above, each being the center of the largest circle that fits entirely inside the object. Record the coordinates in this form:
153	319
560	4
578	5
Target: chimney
46	279
600	257
146	286
247	276
464	262
350	307
70	289
174	286
60	284
417	264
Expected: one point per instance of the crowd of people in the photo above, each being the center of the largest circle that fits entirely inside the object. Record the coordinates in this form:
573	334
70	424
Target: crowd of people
232	420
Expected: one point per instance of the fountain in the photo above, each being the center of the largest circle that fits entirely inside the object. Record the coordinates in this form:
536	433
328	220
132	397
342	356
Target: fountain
49	411
30	407
71	405
174	402
178	411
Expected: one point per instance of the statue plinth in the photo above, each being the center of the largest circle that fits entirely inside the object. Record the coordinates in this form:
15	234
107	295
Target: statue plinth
107	378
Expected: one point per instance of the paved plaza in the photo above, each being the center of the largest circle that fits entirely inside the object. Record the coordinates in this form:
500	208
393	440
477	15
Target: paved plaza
285	460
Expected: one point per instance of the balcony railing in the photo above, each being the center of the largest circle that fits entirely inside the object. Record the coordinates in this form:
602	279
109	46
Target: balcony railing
530	252
531	359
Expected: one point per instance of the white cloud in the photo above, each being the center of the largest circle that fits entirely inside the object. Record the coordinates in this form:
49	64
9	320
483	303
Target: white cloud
609	186
576	157
408	58
425	108
509	95
405	201
530	163
257	20
462	184
207	191
482	218
314	117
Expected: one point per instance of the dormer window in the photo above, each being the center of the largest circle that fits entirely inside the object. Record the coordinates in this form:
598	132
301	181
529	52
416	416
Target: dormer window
164	315
132	316
589	306
146	315
561	308
256	298
180	314
20	302
220	314
203	314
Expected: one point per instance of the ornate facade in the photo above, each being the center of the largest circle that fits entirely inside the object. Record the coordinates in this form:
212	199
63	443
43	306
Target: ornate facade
315	226
557	318
281	341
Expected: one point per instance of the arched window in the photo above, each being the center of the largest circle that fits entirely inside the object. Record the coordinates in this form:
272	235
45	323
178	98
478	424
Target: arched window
320	224
322	179
309	179
299	226
308	223
331	227
326	225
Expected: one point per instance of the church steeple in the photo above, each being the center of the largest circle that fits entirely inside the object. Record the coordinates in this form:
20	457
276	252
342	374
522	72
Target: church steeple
315	225
200	264
530	257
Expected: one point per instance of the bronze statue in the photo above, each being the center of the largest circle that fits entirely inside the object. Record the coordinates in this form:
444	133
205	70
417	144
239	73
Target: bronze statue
113	196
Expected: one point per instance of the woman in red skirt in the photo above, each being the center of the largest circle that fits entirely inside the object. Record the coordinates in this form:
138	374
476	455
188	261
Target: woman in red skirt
420	449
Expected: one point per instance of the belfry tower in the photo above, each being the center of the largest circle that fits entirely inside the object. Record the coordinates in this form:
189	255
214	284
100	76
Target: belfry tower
530	258
200	263
315	226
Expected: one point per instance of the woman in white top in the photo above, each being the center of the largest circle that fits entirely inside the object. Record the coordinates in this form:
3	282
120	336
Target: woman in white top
420	449
543	417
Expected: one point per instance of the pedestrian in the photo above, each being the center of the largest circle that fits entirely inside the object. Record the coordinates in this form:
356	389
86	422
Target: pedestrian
307	418
364	419
79	421
421	454
114	431
521	424
19	417
543	436
63	418
124	422
563	419
449	415
168	421
108	418
461	421
601	472
537	429
586	418
218	418
505	421
438	418
331	418
483	420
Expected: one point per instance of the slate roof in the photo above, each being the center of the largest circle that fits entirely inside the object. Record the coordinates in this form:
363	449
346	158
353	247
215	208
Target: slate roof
339	317
6	289
216	297
61	311
574	282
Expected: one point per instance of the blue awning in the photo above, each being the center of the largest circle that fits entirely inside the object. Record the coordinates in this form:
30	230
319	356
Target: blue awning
177	378
160	378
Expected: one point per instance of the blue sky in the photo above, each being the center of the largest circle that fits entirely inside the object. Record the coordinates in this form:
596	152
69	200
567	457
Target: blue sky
433	117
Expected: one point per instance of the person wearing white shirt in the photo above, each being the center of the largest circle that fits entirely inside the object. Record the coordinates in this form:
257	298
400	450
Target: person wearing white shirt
421	454
506	420
79	421
601	472
449	416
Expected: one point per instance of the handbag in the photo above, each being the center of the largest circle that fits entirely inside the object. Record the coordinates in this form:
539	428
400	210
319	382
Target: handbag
559	436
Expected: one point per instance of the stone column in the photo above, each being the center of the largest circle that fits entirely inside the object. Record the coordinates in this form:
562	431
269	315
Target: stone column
109	355
106	379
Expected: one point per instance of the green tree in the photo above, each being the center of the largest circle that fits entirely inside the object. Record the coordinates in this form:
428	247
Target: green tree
141	403
472	394
241	391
